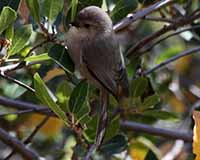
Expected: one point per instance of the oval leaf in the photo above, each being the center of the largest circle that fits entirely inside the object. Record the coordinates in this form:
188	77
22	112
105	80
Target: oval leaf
7	17
115	145
78	97
52	8
158	114
21	37
60	55
41	57
139	86
150	101
43	95
34	7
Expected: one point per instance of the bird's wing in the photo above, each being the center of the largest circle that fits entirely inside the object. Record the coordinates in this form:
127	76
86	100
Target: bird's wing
104	62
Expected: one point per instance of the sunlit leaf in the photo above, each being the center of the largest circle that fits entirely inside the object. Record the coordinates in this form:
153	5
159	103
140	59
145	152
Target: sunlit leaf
21	38
52	8
10	32
74	5
7	17
40	57
43	95
168	53
63	92
138	150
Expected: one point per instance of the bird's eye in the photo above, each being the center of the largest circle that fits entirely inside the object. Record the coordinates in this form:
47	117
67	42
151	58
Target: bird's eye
86	25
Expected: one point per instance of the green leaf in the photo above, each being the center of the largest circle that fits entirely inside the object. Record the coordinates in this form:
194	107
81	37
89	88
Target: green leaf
52	8
158	114
60	55
74	4
90	133
43	95
34	8
78	97
40	57
139	86
146	142
7	17
115	145
21	37
25	51
113	128
168	53
122	8
63	92
151	101
10	32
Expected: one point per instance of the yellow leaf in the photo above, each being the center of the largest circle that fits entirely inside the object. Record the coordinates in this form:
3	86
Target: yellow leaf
196	135
53	73
138	151
50	129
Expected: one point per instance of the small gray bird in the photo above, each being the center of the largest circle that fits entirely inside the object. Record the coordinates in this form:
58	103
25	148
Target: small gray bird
96	52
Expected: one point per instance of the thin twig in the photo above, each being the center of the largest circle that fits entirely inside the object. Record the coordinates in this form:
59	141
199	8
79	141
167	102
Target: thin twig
17	112
135	50
184	53
102	124
30	137
138	127
141	127
168	36
159	19
17	82
140	14
18	146
37	46
21	105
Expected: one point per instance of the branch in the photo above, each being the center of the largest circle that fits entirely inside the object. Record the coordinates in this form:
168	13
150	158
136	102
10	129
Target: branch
184	53
131	125
30	137
140	14
159	19
21	105
134	51
17	146
138	127
168	36
17	82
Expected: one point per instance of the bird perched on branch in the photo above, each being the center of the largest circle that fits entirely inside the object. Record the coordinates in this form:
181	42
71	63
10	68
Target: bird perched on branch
93	47
96	53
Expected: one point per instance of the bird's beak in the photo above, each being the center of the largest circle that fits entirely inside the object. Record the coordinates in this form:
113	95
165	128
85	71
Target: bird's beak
75	24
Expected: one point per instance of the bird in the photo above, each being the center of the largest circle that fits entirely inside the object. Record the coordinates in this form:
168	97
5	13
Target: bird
96	53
